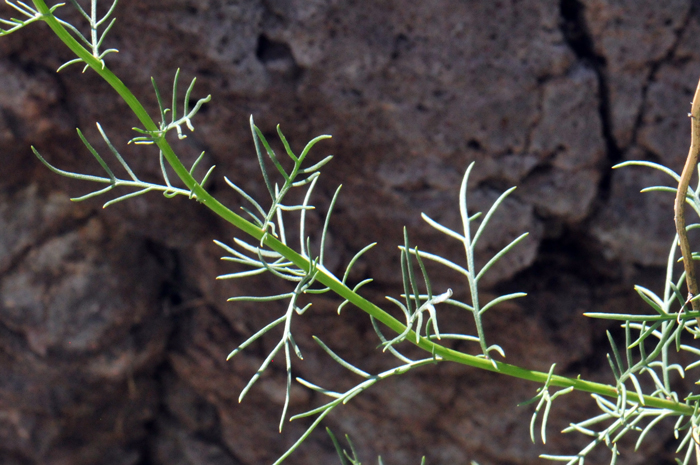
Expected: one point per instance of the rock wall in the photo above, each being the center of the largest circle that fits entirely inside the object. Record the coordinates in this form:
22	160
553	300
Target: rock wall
113	331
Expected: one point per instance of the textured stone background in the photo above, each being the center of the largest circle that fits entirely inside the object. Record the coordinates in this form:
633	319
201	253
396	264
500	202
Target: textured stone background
113	332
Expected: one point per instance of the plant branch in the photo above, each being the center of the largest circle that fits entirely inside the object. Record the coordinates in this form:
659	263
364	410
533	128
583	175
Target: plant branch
323	276
679	206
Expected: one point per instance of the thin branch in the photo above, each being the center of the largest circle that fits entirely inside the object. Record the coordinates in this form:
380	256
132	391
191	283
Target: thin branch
679	206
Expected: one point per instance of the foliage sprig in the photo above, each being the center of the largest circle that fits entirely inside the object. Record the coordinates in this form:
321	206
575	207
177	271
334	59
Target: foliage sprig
150	136
96	38
32	15
143	187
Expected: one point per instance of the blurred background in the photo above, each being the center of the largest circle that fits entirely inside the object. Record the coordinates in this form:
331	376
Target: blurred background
113	330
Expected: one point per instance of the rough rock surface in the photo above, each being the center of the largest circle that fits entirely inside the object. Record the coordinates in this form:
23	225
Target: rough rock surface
113	331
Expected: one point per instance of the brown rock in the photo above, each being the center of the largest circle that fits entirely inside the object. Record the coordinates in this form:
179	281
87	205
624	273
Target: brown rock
113	332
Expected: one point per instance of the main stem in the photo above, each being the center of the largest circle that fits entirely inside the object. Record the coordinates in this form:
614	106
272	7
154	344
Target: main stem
323	276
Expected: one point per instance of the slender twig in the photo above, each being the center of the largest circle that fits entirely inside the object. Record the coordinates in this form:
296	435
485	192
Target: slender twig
679	206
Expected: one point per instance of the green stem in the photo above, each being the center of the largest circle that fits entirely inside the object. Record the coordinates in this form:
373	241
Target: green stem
323	276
